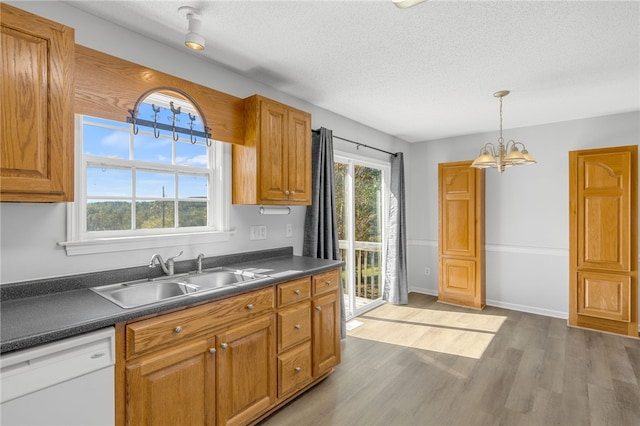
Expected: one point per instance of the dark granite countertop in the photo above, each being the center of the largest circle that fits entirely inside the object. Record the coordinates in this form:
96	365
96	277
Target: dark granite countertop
36	312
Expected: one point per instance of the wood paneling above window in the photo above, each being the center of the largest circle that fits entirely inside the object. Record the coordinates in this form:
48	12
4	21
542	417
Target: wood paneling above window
108	87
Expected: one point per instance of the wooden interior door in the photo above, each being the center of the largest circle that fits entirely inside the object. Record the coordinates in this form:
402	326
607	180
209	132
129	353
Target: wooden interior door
461	277
603	239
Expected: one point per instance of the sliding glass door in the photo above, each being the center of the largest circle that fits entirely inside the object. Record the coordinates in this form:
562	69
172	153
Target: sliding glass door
361	204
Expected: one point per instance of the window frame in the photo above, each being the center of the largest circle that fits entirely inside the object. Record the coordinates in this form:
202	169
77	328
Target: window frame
79	241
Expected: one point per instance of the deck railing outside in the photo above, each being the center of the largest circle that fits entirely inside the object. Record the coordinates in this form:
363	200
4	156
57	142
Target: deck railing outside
368	268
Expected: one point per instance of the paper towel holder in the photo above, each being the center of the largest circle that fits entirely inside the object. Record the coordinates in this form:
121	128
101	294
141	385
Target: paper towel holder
275	210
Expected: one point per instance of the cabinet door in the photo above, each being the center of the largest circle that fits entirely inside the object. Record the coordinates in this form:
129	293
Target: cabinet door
246	367
273	151
299	158
461	234
173	387
36	154
326	333
604	239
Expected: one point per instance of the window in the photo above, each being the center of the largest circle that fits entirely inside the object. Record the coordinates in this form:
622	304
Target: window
133	187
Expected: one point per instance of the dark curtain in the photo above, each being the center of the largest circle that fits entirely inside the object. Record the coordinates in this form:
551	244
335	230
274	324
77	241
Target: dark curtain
396	287
321	226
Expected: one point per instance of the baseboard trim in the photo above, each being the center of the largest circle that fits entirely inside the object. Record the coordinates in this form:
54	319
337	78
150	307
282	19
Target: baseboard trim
505	305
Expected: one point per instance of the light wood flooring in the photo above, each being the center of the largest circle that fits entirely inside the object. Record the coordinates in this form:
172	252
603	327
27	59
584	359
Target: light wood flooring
429	363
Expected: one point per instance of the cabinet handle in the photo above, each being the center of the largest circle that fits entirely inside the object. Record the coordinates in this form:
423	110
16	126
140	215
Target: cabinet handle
328	283
224	346
297	326
250	306
296	292
298	369
178	329
286	192
212	351
318	308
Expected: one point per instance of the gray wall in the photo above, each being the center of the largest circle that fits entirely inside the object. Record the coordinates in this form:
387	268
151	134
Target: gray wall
30	232
527	210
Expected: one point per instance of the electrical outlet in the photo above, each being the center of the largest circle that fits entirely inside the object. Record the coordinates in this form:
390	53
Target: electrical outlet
263	232
254	233
427	271
289	231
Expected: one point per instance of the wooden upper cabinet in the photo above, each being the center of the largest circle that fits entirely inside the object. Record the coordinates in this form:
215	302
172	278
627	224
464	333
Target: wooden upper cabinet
274	164
37	95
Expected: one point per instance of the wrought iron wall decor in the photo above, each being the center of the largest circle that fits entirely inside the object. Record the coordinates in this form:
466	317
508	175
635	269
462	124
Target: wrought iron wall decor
175	130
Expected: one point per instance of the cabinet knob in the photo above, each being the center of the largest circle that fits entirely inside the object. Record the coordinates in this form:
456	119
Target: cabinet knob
296	292
224	346
250	306
328	283
318	308
212	351
293	192
178	329
297	326
286	192
298	369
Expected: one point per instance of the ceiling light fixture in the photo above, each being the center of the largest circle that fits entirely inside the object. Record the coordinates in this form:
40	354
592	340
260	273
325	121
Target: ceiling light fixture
502	156
405	4
193	40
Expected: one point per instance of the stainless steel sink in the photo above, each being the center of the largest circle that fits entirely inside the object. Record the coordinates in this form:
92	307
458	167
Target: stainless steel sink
145	292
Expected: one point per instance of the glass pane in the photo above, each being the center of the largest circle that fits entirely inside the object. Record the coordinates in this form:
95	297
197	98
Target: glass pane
194	155
340	170
102	181
104	142
190	186
156	185
368	226
192	213
108	215
147	148
154	214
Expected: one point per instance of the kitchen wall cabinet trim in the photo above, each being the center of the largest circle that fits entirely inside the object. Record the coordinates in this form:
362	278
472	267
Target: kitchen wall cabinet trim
37	86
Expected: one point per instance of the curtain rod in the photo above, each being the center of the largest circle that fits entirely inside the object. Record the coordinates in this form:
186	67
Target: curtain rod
395	154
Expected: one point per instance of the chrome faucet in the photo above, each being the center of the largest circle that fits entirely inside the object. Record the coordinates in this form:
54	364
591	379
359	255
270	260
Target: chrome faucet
199	259
168	266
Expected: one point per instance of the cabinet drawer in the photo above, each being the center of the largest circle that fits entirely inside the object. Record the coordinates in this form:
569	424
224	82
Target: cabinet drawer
293	291
173	328
294	325
326	282
294	369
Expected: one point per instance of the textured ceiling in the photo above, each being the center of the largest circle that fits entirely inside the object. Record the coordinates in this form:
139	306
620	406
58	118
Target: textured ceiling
421	73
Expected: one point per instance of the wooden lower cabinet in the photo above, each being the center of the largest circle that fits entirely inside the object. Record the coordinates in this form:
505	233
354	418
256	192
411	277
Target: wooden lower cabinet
246	381
326	333
173	386
228	362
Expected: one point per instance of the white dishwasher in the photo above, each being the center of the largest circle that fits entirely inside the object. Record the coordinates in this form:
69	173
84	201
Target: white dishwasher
67	382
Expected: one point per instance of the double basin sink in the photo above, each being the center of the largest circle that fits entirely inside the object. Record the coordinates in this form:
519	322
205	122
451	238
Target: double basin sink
133	294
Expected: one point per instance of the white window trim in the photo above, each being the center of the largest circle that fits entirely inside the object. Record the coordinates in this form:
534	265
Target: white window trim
79	244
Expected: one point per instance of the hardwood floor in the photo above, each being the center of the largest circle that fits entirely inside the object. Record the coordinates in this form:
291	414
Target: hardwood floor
429	363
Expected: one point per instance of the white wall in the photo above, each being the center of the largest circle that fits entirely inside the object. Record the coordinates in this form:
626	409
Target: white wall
30	232
527	210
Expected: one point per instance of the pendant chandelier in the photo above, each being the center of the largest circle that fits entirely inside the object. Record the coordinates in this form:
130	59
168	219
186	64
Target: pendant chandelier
504	155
